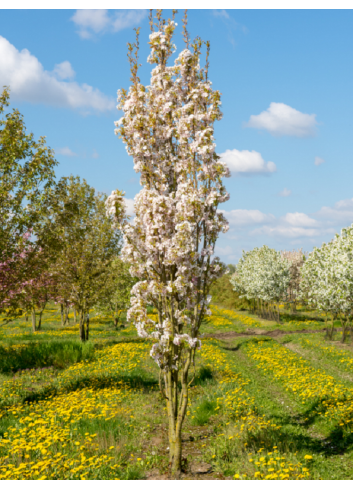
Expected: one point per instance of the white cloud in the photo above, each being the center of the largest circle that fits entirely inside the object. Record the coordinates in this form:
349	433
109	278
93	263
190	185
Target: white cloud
130	206
65	151
341	212
221	13
245	217
64	71
95	154
288	231
226	250
282	120
29	81
95	21
318	161
247	163
285	192
299	219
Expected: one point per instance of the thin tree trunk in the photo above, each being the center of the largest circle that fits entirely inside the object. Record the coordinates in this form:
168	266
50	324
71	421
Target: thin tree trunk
62	314
278	316
67	320
40	317
87	326
40	320
344	329
75	318
82	326
331	330
33	313
176	408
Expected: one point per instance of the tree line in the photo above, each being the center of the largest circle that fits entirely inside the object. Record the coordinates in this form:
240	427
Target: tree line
57	242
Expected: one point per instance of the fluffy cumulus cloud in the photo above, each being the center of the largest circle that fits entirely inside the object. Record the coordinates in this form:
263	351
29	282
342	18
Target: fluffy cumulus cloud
285	192
318	161
282	120
293	225
64	71
288	232
341	212
299	219
28	81
252	227
99	21
245	217
247	163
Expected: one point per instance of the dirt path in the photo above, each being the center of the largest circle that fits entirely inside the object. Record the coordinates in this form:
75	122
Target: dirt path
274	333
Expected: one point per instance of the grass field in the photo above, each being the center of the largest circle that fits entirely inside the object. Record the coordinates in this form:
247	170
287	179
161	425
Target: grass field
269	401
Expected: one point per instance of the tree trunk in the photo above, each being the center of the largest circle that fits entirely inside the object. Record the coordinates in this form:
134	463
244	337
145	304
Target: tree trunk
40	320
66	316
33	313
75	318
331	331
84	326
116	321
344	329
278	316
176	407
62	314
87	326
40	317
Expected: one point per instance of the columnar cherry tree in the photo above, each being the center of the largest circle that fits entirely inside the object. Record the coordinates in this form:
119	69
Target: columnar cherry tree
168	130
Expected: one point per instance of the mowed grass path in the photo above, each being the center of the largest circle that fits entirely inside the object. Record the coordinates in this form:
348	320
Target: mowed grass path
259	408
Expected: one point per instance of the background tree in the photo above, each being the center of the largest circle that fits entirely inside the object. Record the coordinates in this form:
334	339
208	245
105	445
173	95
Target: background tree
167	127
26	282
38	289
115	298
296	260
327	280
223	293
262	276
26	174
80	235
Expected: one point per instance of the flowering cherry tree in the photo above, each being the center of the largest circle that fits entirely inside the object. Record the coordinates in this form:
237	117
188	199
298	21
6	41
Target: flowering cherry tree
263	275
167	127
327	280
26	283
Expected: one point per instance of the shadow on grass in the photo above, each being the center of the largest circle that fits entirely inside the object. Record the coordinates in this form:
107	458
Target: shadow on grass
136	380
55	353
289	438
204	375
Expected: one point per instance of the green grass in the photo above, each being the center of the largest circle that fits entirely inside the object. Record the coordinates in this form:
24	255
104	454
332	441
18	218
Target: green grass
97	405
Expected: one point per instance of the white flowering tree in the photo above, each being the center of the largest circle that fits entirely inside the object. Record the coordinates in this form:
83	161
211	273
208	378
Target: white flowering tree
167	127
327	280
263	275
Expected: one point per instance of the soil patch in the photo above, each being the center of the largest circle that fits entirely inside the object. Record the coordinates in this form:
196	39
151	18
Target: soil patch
273	334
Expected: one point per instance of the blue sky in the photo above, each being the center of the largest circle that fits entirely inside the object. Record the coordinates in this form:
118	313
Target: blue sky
286	83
